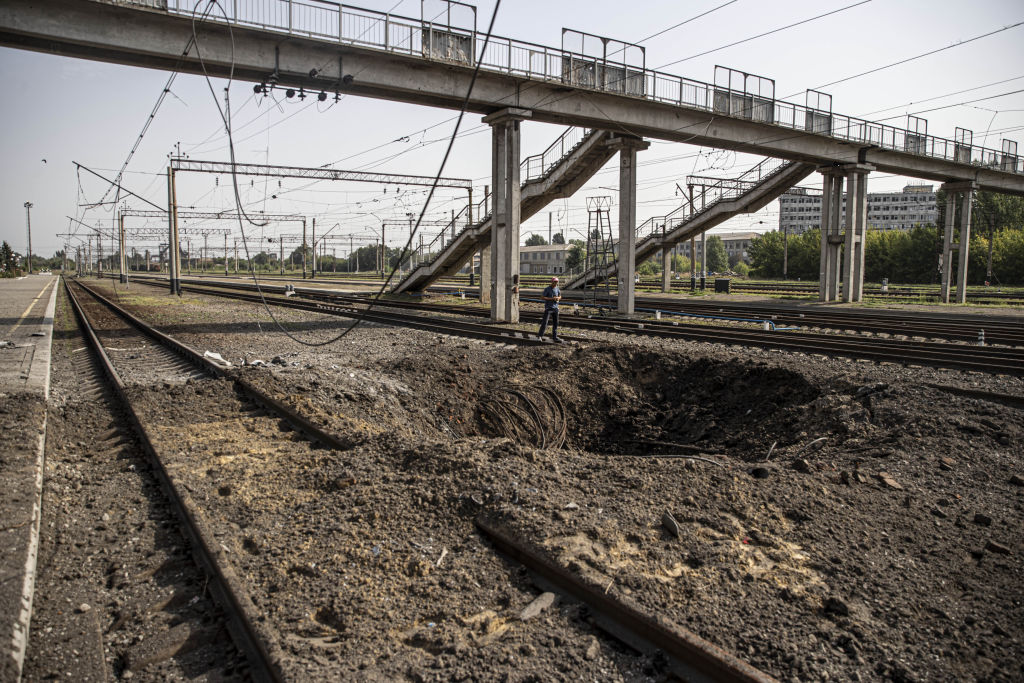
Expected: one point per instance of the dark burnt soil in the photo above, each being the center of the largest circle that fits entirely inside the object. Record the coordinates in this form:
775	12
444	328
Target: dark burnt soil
859	525
117	593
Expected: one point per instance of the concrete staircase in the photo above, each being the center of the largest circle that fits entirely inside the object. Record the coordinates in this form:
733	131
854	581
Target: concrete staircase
723	200
556	173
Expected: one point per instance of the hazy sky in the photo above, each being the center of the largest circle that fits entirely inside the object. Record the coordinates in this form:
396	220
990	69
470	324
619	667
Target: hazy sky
61	109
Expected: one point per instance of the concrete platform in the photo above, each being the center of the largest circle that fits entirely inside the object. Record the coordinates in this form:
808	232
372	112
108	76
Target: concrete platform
26	330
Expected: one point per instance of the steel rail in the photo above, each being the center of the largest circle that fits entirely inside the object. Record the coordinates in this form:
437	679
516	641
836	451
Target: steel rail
690	657
491	333
243	618
986	359
301	423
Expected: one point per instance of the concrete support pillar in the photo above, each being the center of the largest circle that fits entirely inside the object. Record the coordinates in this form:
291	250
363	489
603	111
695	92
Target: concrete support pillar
966	195
666	269
505	134
965	245
856	229
831	239
627	147
486	281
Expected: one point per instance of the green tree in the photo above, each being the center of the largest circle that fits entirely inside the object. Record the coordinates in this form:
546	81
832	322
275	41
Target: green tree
536	240
1008	256
558	238
680	264
718	260
649	267
576	256
741	269
765	253
8	261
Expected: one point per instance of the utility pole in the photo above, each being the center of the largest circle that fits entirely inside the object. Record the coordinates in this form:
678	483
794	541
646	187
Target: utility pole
124	250
28	226
303	249
225	253
313	276
174	245
383	250
549	227
236	256
280	258
785	252
352	250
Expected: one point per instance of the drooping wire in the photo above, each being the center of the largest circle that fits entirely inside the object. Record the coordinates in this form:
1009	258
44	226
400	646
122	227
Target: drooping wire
226	118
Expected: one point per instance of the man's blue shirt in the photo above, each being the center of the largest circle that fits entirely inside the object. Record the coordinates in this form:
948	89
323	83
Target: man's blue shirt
551	291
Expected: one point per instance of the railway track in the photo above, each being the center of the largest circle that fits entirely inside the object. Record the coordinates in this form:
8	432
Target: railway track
242	620
989	359
230	484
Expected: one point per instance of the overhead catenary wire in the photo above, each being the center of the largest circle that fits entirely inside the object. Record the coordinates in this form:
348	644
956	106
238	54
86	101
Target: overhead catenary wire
225	114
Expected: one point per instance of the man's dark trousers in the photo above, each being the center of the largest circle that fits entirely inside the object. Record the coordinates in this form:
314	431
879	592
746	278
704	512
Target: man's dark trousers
552	315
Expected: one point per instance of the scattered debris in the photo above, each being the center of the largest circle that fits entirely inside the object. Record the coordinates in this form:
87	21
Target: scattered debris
818	440
5	344
539	604
670	523
998	548
836	606
217	358
801	465
982	519
771	450
760	472
887	479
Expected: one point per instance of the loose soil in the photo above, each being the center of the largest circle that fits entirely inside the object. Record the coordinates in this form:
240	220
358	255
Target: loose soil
856	523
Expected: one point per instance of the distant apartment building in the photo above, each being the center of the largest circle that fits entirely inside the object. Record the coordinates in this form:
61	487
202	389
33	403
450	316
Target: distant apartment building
736	244
915	205
548	259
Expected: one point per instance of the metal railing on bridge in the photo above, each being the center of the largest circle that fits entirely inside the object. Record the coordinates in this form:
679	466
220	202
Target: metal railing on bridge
715	191
331	21
532	168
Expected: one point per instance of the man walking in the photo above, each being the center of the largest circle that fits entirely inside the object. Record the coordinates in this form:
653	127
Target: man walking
552	295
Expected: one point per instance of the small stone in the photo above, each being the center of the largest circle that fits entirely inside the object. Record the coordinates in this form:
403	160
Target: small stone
571	506
83	608
982	519
845	478
946	464
127	674
860	478
105	517
670	523
1017	480
938	513
836	606
801	465
886	479
999	548
760	472
593	650
1003	439
539	604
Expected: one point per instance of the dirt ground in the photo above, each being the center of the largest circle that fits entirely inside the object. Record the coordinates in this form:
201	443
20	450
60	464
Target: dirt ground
854	522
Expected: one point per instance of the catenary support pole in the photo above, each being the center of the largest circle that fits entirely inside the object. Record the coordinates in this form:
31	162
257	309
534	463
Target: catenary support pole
173	267
123	260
